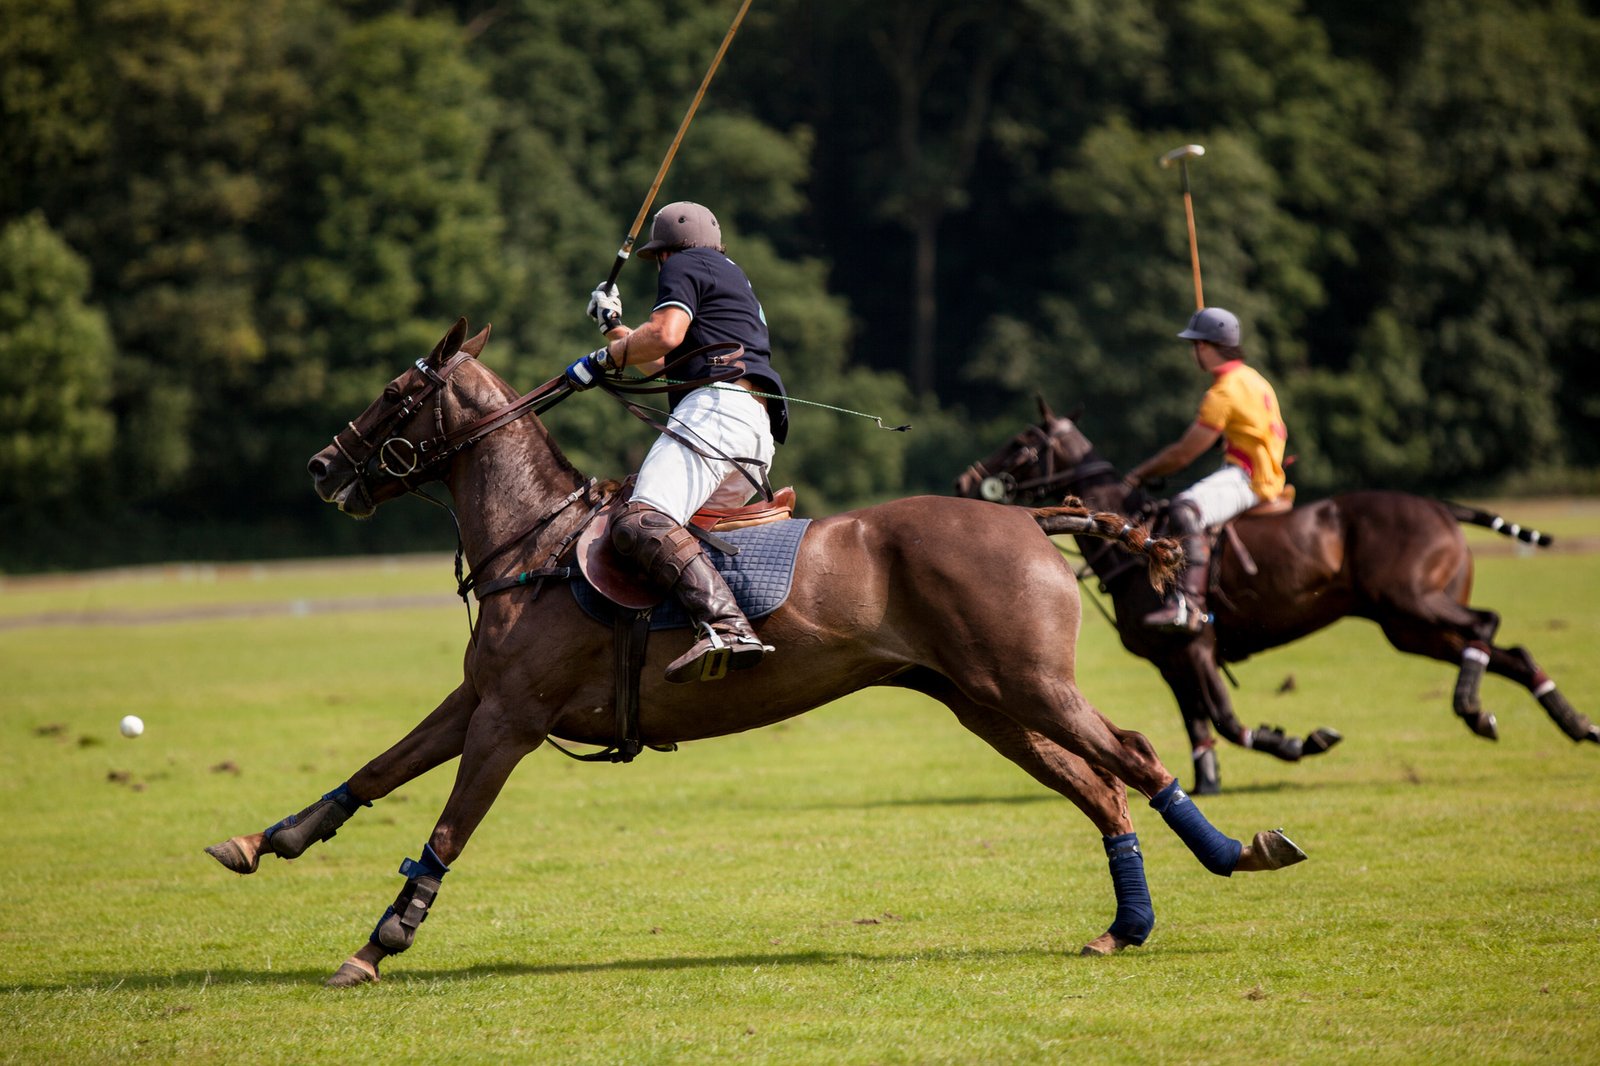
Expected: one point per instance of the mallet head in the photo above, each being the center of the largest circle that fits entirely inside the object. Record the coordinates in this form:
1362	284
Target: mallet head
1183	154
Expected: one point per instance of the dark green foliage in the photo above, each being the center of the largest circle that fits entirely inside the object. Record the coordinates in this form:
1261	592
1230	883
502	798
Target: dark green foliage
225	232
55	432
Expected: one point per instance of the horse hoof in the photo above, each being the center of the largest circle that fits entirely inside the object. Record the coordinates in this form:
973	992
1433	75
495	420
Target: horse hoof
1277	849
1270	850
236	855
1107	943
351	973
1321	740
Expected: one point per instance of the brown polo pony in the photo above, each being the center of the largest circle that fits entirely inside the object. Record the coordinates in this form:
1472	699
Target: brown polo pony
965	601
1397	559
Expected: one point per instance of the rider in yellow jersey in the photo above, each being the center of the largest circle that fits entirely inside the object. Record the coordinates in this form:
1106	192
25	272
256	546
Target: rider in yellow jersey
1242	409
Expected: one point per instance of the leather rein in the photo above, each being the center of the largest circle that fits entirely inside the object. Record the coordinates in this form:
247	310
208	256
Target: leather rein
397	457
1004	487
1103	559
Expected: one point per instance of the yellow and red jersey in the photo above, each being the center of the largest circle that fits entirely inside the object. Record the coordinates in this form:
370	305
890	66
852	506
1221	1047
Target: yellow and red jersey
1243	407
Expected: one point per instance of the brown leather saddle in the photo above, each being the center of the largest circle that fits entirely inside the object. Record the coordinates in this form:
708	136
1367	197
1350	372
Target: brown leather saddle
618	582
1282	505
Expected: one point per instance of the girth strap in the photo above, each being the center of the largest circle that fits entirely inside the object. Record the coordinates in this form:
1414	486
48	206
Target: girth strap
631	637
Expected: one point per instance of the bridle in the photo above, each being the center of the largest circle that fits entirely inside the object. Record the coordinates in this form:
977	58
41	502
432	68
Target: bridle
1036	446
381	450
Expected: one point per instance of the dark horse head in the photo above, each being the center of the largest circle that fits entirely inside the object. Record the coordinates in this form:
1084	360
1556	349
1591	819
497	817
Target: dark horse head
1046	461
377	457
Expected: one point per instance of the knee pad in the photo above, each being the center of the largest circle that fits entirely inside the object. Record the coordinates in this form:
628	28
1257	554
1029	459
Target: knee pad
1183	515
654	543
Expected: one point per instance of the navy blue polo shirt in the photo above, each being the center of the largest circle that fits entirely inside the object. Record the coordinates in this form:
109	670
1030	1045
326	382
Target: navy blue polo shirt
722	307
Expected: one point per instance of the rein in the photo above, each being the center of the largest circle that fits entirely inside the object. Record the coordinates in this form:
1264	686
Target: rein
726	368
1004	487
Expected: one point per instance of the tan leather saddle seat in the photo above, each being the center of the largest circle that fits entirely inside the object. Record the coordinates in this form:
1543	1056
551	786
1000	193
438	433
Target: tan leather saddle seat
751	514
1281	505
619	583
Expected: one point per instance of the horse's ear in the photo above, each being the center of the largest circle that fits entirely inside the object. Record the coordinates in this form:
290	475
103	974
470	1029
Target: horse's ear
1077	414
474	347
450	344
1045	414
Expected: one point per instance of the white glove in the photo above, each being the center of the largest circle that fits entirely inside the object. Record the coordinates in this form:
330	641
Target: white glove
605	307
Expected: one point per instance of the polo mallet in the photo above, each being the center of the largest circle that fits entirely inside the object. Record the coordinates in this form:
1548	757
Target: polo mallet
1182	156
650	198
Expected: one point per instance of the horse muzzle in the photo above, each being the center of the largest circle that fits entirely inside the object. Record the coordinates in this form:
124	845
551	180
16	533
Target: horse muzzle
349	493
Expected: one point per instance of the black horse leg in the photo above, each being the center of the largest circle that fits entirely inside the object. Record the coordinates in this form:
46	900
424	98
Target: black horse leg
1518	665
495	744
1184	674
434	740
1440	628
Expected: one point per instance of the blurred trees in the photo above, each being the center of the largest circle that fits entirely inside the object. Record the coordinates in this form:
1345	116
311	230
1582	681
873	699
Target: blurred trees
55	433
224	231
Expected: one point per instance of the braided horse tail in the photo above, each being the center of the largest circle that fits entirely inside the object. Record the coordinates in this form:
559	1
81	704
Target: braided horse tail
1163	556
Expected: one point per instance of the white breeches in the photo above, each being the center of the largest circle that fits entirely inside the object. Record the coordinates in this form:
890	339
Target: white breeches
725	420
1222	495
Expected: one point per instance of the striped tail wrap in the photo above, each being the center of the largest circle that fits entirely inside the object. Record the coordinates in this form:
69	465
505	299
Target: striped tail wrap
1488	520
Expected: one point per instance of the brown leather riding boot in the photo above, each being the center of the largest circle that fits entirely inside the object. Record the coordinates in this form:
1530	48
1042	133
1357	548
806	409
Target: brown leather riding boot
727	640
670	556
1185	607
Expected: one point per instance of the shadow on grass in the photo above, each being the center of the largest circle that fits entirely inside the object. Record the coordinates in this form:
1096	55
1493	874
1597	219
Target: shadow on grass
186	980
1261	789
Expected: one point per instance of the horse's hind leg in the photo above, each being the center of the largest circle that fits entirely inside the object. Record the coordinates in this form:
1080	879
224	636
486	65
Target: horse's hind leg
1101	797
1518	665
494	745
1439	627
1479	653
1077	726
434	740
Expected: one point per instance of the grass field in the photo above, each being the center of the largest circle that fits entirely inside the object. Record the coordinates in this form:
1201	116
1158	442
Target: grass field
865	884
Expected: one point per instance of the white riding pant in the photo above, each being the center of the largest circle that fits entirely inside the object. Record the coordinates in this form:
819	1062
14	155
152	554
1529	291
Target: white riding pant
1221	496
725	420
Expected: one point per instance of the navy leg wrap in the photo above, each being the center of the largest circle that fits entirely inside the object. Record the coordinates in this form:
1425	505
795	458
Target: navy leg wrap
1216	851
398	926
1135	914
347	799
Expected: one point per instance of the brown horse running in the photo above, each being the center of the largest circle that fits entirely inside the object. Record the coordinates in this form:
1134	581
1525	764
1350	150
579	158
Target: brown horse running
965	601
1397	559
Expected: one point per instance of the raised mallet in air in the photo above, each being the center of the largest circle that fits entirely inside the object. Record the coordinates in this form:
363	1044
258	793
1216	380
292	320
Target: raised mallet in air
1181	156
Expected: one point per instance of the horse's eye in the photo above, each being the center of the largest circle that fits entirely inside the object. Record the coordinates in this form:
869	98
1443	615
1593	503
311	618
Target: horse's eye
392	394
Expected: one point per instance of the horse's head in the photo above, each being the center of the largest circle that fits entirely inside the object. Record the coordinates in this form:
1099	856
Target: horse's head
394	444
1040	464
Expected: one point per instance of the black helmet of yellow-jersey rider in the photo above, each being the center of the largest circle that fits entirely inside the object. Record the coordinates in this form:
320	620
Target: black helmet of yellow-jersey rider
1215	325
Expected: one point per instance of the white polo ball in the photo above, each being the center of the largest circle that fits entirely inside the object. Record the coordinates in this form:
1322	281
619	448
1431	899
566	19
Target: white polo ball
132	725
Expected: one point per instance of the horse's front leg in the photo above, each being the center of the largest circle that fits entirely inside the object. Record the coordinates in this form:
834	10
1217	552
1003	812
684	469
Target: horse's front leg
434	740
495	742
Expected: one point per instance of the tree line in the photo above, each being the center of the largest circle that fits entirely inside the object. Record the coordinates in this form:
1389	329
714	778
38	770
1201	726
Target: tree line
224	226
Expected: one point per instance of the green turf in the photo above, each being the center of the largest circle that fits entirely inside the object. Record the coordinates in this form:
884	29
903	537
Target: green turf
865	884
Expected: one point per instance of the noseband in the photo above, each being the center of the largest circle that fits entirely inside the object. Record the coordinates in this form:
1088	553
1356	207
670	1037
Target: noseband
1004	486
383	451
